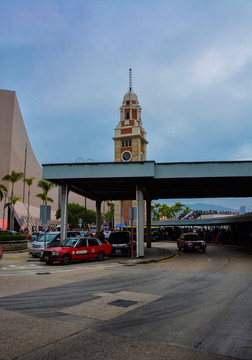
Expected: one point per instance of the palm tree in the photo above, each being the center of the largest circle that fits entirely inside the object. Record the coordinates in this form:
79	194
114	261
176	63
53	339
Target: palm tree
12	203
46	186
29	183
110	213
3	191
44	197
13	178
155	210
177	207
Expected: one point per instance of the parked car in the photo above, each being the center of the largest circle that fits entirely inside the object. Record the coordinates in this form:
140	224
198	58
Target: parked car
35	235
51	239
121	243
73	249
92	230
191	241
1	253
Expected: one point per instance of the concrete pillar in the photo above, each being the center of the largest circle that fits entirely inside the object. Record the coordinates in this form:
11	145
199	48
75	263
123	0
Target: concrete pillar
148	222
64	214
98	216
140	222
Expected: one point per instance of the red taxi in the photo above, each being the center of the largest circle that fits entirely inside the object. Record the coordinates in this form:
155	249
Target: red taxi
191	241
76	249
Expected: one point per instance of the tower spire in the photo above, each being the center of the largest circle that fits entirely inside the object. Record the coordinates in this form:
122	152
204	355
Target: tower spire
130	79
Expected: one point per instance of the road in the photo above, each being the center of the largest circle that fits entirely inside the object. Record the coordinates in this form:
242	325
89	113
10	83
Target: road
194	301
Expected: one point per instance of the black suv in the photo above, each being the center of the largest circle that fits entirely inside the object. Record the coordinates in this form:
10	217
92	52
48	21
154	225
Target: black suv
121	243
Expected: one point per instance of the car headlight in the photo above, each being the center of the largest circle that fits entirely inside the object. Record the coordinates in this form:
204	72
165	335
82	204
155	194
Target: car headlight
55	253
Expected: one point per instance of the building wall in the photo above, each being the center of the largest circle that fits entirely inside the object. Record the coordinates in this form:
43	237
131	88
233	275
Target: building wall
13	142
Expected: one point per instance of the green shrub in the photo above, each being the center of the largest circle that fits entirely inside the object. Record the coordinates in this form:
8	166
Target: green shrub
6	237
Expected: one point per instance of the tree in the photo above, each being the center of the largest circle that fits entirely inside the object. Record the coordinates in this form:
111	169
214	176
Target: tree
185	211
110	213
155	210
44	198
165	211
13	178
76	212
46	186
3	190
177	208
12	203
29	183
15	200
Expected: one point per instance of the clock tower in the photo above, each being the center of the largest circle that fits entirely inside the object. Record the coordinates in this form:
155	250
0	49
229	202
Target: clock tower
129	142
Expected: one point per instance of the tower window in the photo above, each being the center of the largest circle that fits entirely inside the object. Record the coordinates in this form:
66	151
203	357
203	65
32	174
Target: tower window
127	113
126	143
127	102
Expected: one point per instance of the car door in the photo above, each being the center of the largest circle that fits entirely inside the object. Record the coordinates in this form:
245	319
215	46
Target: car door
93	248
81	250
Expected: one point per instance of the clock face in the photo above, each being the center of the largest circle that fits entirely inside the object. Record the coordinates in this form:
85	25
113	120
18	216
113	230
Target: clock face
126	156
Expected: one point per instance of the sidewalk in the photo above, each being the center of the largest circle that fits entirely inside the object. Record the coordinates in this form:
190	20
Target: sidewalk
153	254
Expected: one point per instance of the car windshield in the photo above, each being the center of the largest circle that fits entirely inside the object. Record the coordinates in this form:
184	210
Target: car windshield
47	237
70	242
191	237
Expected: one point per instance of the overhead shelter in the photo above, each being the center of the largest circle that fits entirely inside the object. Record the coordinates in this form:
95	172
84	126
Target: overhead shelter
148	181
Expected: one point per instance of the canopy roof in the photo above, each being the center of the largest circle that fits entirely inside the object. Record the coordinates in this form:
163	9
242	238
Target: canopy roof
118	180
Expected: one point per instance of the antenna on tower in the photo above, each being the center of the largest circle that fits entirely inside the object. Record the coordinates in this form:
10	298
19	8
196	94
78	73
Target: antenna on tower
130	79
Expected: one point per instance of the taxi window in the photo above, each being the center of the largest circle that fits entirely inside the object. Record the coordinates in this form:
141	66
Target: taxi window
82	243
70	242
92	242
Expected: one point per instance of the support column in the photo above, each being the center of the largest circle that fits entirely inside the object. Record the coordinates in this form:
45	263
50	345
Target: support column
98	216
140	222
64	213
148	222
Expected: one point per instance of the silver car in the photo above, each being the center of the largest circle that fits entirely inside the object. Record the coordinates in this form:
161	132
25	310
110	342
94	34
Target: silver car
46	240
50	239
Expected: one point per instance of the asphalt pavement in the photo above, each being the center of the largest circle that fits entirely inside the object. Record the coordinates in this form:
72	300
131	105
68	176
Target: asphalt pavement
26	337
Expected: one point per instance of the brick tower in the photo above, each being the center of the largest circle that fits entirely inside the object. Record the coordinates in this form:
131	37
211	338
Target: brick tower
129	143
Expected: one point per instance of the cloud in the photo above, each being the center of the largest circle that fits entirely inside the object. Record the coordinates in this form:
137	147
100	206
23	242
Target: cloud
68	62
216	65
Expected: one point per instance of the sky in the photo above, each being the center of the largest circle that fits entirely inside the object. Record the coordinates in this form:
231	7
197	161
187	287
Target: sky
69	61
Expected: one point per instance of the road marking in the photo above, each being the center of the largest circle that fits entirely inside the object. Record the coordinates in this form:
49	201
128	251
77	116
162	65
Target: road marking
171	258
13	257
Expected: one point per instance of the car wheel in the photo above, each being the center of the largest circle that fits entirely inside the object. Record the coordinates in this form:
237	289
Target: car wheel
66	260
100	256
49	262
